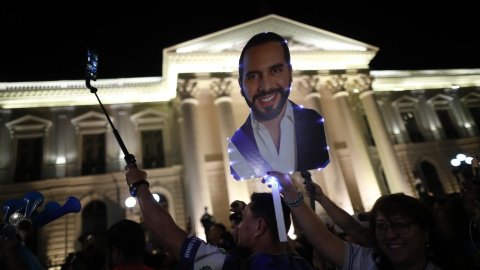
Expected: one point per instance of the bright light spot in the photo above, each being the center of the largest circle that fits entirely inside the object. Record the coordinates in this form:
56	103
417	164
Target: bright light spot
156	197
328	147
130	202
301	106
227	138
15	218
319	169
455	162
291	233
61	160
469	160
467	125
455	86
461	157
397	89
271	180
355	90
323	119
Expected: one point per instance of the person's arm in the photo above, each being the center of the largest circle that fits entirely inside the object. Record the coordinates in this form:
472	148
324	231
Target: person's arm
9	254
330	246
158	220
339	216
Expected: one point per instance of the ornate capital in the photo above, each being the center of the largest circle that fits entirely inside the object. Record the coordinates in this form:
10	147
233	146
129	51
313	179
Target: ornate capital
187	88
451	91
308	84
221	87
358	83
333	83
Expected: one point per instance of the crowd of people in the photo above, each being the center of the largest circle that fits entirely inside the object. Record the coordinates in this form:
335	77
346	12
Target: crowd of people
402	232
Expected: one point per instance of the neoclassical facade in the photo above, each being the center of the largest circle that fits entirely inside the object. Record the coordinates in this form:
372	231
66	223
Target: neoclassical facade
388	131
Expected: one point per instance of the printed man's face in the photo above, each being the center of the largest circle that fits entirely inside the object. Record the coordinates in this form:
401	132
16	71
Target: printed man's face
266	80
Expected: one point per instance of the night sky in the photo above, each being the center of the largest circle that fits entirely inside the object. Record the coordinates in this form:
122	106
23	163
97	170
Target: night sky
43	42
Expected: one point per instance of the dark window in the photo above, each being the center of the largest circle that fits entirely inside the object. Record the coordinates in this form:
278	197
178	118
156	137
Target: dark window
153	155
94	226
29	162
447	124
475	112
411	125
93	159
430	176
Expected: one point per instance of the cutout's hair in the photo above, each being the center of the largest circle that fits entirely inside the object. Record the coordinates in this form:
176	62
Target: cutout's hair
262	38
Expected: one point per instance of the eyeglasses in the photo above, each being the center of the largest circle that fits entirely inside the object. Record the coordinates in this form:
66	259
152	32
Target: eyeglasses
398	228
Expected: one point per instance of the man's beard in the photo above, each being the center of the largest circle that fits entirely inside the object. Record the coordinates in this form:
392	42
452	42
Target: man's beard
270	112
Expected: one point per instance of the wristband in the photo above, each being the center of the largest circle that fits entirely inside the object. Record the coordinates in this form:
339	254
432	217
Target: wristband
295	203
134	187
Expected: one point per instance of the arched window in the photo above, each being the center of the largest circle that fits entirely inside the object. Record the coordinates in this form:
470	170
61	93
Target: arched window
432	181
94	226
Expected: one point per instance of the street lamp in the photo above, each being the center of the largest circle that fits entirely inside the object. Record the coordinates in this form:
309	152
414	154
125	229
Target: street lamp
130	202
462	164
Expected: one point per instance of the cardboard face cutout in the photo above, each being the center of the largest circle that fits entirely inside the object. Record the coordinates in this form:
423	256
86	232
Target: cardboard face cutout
301	145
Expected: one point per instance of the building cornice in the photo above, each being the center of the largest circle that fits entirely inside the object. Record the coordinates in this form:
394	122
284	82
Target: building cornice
398	80
75	93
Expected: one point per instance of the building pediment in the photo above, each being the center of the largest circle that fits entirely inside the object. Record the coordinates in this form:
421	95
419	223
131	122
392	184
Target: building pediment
91	123
28	126
301	37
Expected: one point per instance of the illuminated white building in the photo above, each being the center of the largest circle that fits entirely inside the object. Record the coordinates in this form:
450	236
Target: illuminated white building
382	126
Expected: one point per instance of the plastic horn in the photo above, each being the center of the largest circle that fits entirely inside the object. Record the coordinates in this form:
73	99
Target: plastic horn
32	200
47	209
72	205
10	207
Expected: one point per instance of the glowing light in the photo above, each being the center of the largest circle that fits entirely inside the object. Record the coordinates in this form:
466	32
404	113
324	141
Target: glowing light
130	202
355	90
328	147
271	181
301	106
455	162
467	125
461	157
319	169
156	197
469	160
61	160
455	86
291	233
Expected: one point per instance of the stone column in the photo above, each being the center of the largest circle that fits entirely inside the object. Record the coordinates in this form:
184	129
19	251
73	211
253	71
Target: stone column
364	174
195	179
6	175
386	152
335	186
221	88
